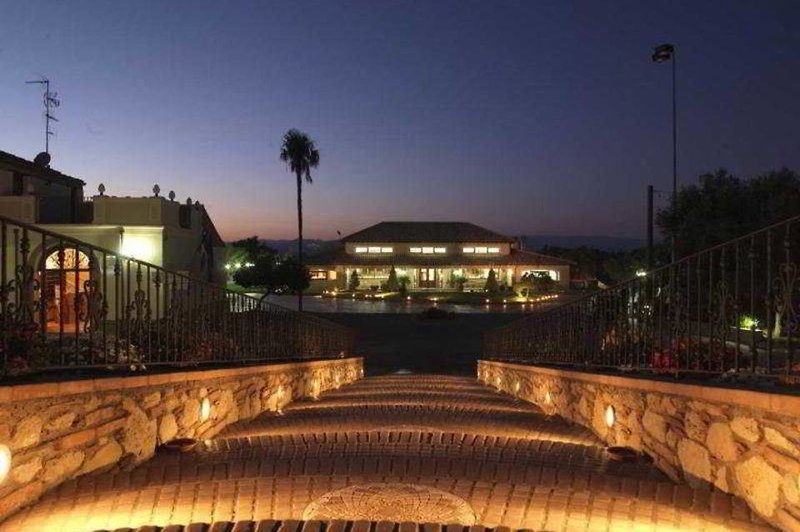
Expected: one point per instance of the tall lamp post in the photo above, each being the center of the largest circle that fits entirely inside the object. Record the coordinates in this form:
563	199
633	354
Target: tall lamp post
662	53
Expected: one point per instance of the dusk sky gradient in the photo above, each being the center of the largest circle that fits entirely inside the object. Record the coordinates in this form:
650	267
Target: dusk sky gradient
528	117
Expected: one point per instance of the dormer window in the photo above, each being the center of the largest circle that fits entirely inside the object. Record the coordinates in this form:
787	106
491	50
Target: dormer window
427	250
482	250
374	249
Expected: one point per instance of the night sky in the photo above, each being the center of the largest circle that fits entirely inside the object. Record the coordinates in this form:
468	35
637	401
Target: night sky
527	117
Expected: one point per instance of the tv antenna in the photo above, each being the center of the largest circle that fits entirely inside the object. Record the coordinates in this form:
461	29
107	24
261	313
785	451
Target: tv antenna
51	101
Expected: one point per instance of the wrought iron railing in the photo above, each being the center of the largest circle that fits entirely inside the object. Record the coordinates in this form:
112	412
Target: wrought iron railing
65	303
733	308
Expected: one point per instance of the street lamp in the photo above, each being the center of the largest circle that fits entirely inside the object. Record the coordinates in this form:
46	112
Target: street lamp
662	53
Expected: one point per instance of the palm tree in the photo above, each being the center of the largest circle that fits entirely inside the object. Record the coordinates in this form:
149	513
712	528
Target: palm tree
301	155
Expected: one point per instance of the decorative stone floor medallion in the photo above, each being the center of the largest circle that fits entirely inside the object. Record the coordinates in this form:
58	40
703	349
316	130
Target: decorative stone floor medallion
391	502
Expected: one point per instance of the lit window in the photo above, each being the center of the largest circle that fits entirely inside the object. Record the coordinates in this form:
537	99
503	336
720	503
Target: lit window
416	250
374	249
387	250
480	250
320	275
361	250
427	250
494	250
469	250
440	250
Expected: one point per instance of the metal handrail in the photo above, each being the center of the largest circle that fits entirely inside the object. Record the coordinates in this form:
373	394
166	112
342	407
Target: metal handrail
66	303
731	308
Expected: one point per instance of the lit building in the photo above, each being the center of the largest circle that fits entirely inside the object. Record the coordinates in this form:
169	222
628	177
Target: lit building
433	256
157	230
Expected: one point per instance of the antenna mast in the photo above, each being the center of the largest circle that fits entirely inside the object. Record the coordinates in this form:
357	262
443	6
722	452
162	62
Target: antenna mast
51	101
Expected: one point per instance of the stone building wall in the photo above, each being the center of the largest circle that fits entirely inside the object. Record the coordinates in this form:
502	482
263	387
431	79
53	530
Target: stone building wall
743	442
59	431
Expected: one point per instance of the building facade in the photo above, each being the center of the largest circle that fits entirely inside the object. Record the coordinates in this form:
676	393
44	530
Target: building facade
433	256
178	237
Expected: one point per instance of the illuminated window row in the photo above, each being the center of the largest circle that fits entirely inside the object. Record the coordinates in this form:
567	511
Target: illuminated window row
481	249
374	249
428	250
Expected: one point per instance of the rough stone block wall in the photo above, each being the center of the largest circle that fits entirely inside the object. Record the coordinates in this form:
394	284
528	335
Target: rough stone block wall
743	442
59	431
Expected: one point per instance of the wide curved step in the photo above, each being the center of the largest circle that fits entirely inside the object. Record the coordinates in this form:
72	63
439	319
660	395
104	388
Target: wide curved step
385	451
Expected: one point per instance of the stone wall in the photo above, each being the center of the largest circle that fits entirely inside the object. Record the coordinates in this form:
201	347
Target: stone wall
743	442
59	431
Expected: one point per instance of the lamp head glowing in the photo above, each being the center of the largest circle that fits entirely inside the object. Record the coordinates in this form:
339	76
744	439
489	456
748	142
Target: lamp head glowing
205	409
5	462
138	247
610	416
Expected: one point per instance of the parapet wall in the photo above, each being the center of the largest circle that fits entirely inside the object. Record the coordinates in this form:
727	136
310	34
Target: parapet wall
60	431
742	442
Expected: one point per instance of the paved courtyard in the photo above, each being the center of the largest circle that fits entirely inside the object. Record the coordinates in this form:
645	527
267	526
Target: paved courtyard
394	448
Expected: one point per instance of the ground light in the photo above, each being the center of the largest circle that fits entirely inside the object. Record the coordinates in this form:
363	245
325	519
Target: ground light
610	416
205	409
279	401
5	462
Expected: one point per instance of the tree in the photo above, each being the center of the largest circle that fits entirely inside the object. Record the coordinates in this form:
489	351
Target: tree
722	207
250	248
244	253
392	285
491	282
353	282
540	281
260	275
291	276
299	152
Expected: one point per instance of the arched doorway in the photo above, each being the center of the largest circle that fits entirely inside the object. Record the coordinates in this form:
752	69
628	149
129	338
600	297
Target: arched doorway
66	272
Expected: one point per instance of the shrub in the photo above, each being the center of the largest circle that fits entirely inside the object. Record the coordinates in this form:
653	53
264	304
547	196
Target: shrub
433	313
457	282
353	282
392	284
491	285
403	281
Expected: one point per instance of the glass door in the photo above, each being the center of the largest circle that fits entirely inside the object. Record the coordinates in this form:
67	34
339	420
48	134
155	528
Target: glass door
427	277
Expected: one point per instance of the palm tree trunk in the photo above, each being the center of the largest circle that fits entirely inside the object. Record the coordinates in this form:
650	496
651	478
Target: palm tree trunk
300	236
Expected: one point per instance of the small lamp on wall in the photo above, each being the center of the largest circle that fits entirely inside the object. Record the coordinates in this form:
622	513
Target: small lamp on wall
279	400
610	416
205	409
5	462
548	399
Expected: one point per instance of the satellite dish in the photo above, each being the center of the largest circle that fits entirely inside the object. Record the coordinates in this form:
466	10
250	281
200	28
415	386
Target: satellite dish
43	159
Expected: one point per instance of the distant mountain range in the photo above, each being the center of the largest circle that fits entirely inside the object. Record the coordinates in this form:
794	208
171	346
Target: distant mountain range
605	243
530	242
311	246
